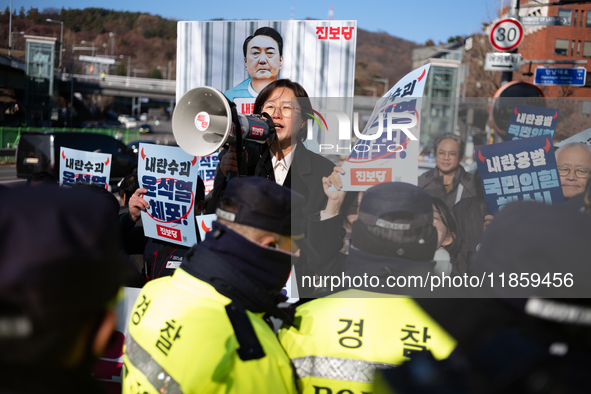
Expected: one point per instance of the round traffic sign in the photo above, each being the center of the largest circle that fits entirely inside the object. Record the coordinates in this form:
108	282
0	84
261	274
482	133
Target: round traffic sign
506	34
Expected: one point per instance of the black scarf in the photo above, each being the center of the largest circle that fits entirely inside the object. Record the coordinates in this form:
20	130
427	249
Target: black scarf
241	270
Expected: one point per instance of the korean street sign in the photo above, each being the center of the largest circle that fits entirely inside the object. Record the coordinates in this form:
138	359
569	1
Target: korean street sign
561	76
502	61
545	21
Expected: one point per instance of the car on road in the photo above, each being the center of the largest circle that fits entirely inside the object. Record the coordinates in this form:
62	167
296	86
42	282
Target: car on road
40	151
128	121
135	145
145	128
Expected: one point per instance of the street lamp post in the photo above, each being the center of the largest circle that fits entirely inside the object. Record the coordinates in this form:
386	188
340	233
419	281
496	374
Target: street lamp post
128	63
385	81
128	67
373	90
165	71
61	38
74	48
112	35
10	31
91	43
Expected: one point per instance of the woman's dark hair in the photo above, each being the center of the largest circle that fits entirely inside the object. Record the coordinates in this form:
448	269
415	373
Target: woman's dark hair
448	220
128	186
298	91
265	31
451	136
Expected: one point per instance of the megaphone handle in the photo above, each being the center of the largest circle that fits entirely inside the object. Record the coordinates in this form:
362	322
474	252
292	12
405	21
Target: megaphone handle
240	157
232	174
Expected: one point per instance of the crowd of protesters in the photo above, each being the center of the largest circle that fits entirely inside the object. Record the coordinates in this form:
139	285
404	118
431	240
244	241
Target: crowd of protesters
210	324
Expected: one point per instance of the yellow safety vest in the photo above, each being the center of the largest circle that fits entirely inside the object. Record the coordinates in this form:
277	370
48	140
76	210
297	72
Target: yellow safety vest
182	341
342	339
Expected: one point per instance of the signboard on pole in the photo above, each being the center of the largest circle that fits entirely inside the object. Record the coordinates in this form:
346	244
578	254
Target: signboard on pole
96	59
502	61
545	21
561	76
506	34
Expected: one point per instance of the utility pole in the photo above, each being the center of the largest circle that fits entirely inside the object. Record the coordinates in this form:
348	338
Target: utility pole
507	76
61	38
384	81
10	31
74	48
112	35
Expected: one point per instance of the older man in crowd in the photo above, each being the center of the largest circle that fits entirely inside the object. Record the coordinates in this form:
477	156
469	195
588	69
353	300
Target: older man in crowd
448	180
574	168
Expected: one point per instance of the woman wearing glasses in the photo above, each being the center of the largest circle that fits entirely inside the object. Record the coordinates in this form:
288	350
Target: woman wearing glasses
284	158
448	180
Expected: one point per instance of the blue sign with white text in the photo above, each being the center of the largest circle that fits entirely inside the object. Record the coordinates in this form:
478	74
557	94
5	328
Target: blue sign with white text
529	122
560	76
519	170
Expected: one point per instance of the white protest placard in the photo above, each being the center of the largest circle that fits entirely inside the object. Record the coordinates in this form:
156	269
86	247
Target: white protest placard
388	148
583	137
87	167
290	290
204	223
170	176
207	166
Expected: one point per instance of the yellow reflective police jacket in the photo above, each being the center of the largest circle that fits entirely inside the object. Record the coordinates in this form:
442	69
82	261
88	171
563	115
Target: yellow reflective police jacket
342	339
182	341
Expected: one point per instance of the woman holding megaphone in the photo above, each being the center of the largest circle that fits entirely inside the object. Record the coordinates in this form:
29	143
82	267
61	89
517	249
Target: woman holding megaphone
284	158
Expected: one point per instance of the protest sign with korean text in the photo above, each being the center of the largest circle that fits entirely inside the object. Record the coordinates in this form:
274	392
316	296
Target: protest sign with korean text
583	137
87	167
207	166
170	176
388	148
529	121
519	170
319	55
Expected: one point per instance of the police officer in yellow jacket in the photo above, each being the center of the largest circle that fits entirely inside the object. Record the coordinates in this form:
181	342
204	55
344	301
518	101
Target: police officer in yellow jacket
202	330
337	342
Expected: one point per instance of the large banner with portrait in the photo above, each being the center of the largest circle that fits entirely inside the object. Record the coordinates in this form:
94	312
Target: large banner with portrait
240	58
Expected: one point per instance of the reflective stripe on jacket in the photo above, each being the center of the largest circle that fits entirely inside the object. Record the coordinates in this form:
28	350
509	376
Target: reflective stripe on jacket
342	339
182	341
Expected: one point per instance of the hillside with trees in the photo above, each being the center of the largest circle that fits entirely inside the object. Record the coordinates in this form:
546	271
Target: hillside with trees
150	41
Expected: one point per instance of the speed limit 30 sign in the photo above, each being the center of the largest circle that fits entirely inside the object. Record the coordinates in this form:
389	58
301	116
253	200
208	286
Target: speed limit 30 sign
506	34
